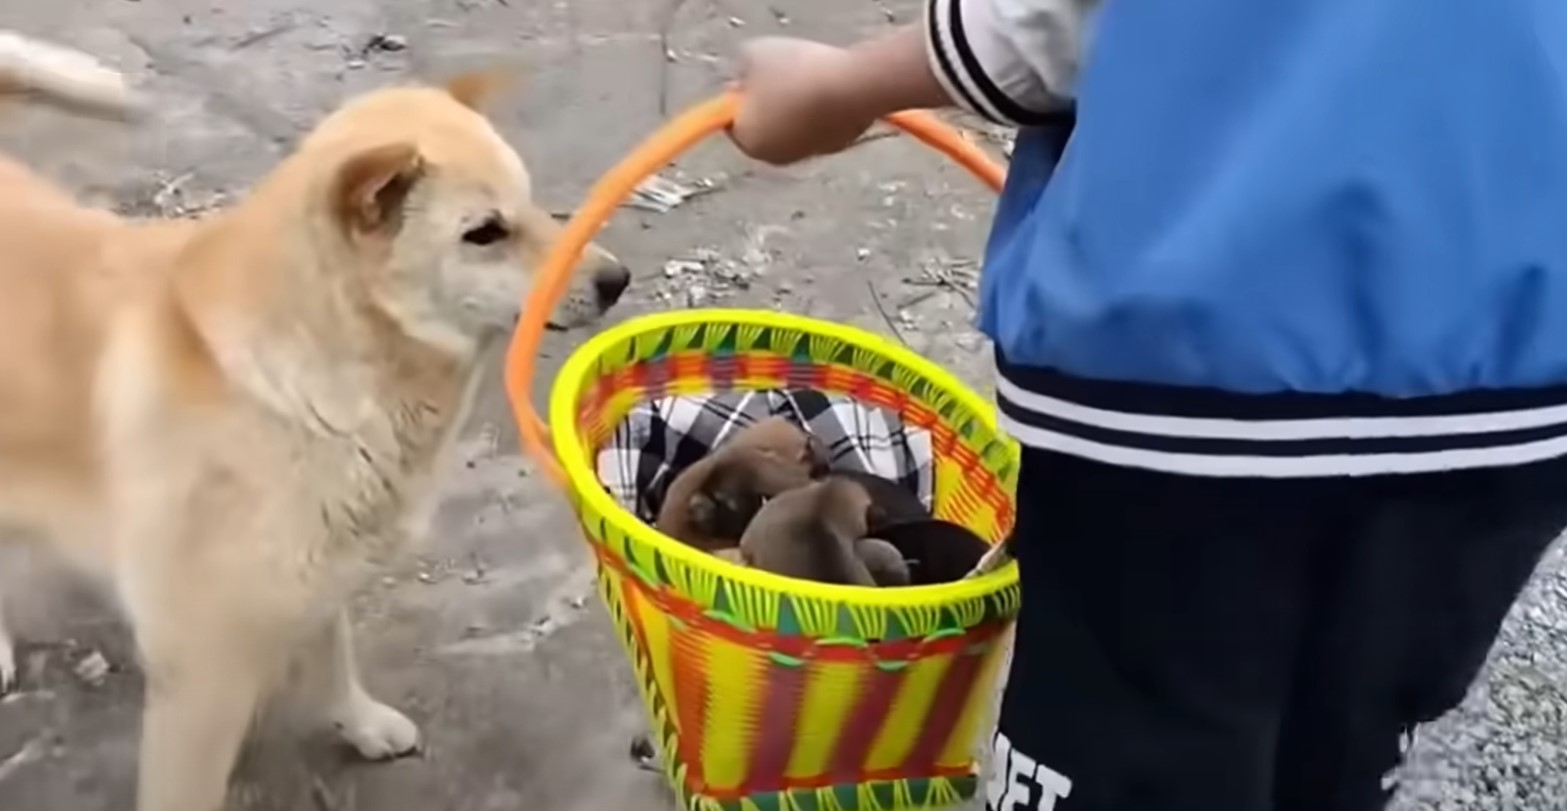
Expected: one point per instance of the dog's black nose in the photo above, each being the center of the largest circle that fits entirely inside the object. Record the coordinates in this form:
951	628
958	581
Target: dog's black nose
610	283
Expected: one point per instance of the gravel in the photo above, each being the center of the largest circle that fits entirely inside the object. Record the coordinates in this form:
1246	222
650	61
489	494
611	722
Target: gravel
1503	749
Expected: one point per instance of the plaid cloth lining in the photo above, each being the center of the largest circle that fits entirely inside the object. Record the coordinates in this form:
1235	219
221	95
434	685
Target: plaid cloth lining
660	438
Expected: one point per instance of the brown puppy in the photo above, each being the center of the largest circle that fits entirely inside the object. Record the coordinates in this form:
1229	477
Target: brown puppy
894	503
818	533
710	503
886	564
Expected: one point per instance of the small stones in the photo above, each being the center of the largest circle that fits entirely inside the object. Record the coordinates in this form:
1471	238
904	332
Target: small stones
93	669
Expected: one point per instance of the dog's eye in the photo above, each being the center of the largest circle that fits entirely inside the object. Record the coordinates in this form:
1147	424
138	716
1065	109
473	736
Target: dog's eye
489	232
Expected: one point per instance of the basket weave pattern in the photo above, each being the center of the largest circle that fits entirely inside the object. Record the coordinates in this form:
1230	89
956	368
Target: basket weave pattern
768	693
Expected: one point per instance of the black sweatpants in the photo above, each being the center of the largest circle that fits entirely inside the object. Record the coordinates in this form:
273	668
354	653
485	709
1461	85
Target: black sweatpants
1224	644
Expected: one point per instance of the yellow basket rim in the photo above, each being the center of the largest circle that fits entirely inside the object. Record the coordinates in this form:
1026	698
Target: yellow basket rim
584	481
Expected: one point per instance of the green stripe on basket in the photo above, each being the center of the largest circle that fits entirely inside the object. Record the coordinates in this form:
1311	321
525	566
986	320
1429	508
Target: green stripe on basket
806	799
788	620
770	801
665	341
943	633
844	642
882	792
727	342
896	629
801	353
729	619
785	659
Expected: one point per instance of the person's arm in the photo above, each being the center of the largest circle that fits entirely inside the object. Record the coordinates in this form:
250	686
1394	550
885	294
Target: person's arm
1011	61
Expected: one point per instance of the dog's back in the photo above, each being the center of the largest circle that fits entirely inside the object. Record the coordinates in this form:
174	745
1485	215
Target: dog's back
58	271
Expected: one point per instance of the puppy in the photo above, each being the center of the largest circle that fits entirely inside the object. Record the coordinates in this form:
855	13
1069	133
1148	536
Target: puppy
939	551
884	561
234	420
710	503
818	532
894	503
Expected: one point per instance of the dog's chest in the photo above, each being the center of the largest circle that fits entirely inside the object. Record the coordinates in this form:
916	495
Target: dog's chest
378	486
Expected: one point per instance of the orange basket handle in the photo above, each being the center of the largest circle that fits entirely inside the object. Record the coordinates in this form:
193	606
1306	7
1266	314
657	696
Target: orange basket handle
657	151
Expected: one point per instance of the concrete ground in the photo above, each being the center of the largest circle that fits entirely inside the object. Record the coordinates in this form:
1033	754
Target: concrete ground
492	638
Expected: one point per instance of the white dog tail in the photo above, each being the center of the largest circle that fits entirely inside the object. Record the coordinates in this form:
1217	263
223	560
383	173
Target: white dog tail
39	72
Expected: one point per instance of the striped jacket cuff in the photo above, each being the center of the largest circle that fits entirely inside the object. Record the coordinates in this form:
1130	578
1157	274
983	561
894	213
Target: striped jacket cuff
1204	432
1010	61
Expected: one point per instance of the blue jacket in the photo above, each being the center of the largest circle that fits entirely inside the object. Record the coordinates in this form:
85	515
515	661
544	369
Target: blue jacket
1308	197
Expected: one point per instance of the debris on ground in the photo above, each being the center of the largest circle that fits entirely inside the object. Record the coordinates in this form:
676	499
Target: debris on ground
386	43
31	752
978	130
699	277
479	573
169	198
93	669
661	194
644	754
958	276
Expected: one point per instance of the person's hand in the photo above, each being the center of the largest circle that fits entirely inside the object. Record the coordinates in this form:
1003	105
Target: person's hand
797	101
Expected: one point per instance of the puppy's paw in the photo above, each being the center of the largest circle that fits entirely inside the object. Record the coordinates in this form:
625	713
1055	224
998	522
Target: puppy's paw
377	731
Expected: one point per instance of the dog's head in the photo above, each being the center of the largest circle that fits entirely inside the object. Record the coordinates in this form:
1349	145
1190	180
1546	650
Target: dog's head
437	215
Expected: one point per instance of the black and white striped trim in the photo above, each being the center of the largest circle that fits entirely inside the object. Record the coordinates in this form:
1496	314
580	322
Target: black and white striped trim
961	71
1210	433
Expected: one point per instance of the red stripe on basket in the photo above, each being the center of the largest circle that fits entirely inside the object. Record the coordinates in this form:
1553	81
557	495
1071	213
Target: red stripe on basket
689	665
920	415
947	707
803	375
823	781
688	366
723	370
902	650
781	709
769	366
866	719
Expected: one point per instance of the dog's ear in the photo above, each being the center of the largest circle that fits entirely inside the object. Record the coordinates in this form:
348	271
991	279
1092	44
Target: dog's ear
475	89
371	187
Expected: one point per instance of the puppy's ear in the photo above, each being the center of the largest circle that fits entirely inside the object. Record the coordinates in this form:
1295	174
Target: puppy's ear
475	89
371	187
816	457
702	512
875	517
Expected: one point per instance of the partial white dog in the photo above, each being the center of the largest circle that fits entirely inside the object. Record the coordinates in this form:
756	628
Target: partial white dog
234	419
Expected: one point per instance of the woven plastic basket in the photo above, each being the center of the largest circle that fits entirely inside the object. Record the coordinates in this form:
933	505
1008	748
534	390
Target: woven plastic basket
766	692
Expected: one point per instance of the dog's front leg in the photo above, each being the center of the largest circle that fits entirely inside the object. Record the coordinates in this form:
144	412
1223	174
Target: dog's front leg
7	654
378	731
201	699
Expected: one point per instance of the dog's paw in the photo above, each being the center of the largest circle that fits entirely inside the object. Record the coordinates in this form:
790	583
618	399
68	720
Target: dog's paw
378	731
7	665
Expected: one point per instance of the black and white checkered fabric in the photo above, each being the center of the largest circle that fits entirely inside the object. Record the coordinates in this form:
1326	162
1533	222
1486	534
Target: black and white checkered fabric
660	438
